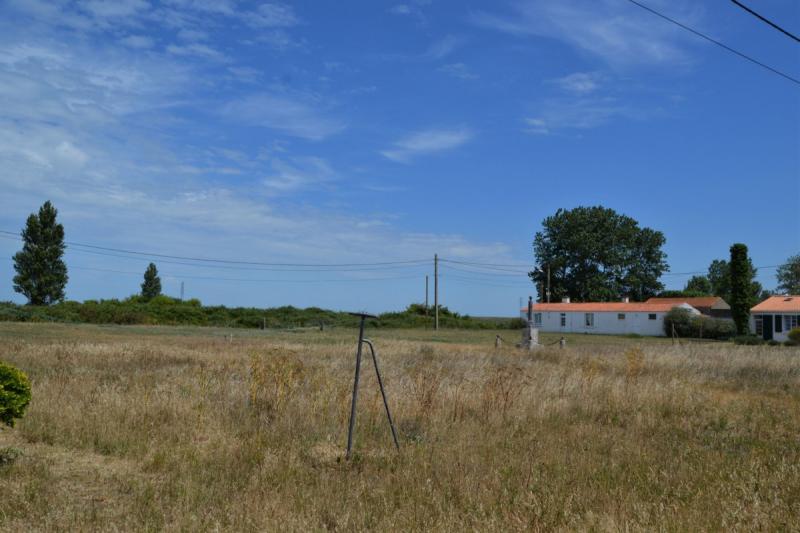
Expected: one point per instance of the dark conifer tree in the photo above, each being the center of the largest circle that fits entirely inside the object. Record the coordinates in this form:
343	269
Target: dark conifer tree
151	287
41	272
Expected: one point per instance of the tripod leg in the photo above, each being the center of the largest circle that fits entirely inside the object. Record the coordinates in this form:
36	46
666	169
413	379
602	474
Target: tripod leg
355	391
383	392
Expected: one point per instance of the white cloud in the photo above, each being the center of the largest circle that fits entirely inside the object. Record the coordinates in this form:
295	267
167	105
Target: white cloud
282	113
578	114
427	142
443	47
458	70
196	49
579	82
71	154
618	33
113	9
191	35
272	15
298	173
137	41
400	9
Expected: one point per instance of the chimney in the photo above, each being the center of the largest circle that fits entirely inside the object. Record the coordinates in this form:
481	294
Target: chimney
565	300
626	300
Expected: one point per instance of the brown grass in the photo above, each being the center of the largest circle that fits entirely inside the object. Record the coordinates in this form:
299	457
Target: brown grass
181	429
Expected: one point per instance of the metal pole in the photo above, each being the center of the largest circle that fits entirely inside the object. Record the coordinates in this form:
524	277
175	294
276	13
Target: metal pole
530	308
355	388
383	393
436	291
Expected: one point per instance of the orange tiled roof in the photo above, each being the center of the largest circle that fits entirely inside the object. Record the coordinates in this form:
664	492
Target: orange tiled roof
778	304
697	301
604	307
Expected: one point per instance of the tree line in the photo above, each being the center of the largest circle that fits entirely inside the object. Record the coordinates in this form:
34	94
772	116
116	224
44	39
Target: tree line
585	253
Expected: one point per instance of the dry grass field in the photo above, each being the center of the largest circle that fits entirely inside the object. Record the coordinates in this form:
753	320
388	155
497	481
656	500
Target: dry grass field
187	429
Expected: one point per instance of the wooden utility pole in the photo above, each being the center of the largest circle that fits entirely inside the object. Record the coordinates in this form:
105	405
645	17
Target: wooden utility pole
436	291
426	294
548	283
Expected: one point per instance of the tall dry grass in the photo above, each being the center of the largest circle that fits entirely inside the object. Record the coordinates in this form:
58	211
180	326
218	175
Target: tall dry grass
133	431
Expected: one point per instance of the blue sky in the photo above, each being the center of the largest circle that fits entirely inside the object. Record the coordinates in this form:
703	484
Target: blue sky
361	132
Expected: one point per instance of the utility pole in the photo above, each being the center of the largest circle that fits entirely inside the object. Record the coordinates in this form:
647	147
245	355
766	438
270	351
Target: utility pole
548	283
436	291
181	291
426	294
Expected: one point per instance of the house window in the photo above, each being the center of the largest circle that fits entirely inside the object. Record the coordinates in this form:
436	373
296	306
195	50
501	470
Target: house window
759	326
790	322
778	324
651	316
537	319
563	319
620	316
589	320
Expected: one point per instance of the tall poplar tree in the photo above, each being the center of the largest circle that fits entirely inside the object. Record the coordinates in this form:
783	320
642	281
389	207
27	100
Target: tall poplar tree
151	287
741	288
41	272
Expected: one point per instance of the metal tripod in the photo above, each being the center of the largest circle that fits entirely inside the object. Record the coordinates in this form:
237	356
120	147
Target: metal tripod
361	342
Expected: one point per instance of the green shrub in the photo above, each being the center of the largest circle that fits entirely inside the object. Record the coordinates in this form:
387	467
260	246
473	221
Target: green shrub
688	325
9	454
794	336
748	340
15	394
773	342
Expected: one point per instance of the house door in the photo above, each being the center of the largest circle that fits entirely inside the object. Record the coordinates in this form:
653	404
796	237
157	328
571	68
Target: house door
767	328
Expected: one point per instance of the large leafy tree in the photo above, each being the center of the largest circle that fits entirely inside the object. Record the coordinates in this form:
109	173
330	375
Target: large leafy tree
597	254
741	287
698	285
41	272
151	286
789	276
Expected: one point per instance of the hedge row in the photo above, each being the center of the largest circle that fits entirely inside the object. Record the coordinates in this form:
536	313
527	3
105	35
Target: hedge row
163	310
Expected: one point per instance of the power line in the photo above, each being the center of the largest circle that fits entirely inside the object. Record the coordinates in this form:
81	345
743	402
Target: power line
487	273
718	43
212	278
234	262
764	19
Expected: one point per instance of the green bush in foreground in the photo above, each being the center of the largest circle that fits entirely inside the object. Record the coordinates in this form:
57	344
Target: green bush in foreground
15	394
794	337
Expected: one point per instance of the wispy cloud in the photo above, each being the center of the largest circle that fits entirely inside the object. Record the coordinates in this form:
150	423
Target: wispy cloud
427	142
443	47
458	70
578	114
614	31
196	49
298	173
410	10
272	15
138	41
283	113
579	82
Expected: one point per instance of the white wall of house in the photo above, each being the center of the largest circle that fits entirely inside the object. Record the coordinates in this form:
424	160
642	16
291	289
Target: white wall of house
607	323
782	324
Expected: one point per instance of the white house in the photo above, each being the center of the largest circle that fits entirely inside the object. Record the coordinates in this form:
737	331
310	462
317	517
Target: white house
610	318
775	317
